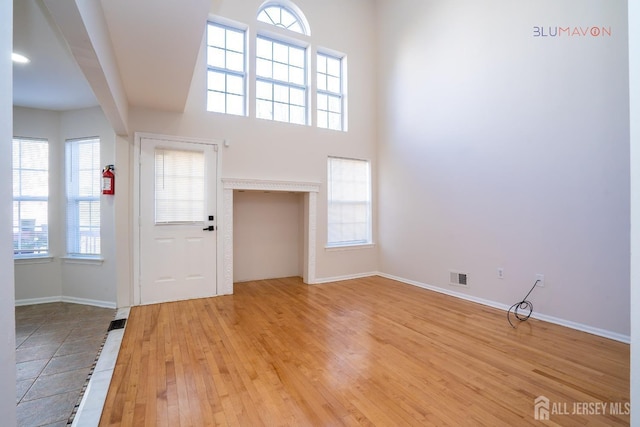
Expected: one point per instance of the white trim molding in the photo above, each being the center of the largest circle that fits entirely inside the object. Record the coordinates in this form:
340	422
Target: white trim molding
267	185
71	300
93	302
343	278
310	189
500	306
34	301
82	260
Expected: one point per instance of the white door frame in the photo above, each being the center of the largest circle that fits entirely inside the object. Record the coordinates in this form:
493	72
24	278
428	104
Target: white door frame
135	283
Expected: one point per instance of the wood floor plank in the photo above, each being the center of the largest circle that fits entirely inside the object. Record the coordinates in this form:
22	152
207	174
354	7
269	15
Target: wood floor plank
369	351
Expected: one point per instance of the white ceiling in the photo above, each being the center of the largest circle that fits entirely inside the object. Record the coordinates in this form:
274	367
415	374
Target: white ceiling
154	46
52	80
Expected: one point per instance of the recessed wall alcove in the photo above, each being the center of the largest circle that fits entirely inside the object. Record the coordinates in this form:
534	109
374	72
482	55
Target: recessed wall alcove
310	191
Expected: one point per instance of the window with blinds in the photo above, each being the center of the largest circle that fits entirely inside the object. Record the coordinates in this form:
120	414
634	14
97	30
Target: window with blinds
349	202
179	186
83	177
30	197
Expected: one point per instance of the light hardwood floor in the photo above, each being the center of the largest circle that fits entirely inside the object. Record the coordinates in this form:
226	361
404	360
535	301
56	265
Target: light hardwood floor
368	351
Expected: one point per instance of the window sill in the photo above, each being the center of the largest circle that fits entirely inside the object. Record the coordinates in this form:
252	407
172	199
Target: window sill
349	247
82	260
33	260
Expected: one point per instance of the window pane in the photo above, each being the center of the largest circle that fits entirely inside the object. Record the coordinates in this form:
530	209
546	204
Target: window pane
215	36
322	102
235	40
215	81
296	75
235	85
30	229
296	57
297	28
264	109
335	121
281	16
179	186
235	105
297	97
16	181
281	53
215	102
215	57
322	82
280	72
349	202
333	67
30	196
322	119
335	104
329	81
333	84
298	115
83	196
34	154
235	61
264	68
281	94
286	18
264	48
34	183
226	62
281	82
264	90
281	112
322	64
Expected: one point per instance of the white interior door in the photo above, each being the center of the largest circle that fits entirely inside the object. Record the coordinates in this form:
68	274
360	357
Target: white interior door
177	220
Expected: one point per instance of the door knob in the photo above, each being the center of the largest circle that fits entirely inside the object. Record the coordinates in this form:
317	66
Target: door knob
209	228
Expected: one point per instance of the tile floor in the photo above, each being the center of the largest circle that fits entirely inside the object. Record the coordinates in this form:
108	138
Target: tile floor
56	348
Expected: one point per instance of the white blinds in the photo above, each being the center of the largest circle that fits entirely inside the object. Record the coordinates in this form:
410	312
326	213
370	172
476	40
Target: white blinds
30	196
349	202
83	196
179	186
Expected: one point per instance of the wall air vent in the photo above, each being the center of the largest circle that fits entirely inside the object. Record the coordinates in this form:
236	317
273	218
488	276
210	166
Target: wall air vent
458	279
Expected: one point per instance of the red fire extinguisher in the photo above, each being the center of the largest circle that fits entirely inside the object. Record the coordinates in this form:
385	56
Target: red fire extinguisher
108	180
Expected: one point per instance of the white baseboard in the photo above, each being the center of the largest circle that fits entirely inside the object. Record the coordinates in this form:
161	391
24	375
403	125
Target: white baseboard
33	301
342	278
93	302
551	319
73	300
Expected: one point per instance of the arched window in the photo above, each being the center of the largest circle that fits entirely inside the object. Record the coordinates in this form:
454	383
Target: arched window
283	16
282	89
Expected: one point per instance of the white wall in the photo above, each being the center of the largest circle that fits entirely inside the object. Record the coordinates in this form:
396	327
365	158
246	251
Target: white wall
7	294
500	149
123	222
267	235
268	150
57	277
634	83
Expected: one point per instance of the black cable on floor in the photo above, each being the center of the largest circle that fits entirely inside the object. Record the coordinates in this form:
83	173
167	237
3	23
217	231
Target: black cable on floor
522	305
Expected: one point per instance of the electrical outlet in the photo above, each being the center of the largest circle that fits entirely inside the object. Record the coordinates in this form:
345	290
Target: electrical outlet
500	273
540	280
